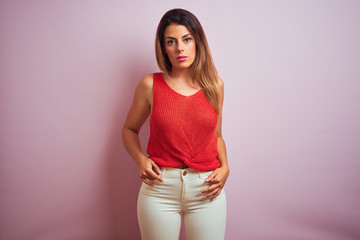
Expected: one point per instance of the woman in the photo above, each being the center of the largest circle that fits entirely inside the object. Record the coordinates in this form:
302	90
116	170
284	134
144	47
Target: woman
187	165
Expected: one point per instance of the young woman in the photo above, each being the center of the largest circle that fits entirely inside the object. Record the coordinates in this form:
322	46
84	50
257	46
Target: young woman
186	167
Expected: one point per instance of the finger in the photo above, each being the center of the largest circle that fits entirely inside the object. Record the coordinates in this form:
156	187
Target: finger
210	177
216	194
157	168
153	175
145	176
214	179
212	193
146	181
209	189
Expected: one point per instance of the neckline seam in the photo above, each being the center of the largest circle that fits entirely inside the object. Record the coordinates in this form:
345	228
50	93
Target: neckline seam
186	96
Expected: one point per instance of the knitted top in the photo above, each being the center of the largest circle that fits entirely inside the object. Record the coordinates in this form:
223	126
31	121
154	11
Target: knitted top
182	129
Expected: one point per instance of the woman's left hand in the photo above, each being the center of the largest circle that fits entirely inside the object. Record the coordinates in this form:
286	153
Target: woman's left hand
217	181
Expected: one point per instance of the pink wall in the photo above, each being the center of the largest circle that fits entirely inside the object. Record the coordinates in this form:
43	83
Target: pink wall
291	116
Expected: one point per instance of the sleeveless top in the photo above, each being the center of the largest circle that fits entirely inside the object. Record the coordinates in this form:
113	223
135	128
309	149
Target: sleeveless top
182	129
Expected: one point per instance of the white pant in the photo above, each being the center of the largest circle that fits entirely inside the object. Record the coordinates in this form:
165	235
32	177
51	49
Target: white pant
159	207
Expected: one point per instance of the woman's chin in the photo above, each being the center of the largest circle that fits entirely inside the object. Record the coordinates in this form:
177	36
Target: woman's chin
181	66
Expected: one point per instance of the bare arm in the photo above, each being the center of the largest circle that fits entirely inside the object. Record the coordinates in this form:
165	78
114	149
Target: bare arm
218	177
138	113
220	141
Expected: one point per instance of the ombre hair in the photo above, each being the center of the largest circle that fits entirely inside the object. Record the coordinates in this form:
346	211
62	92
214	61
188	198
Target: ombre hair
203	68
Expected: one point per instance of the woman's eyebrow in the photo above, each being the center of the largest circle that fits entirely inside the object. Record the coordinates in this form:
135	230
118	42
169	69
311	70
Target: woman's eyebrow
181	37
186	35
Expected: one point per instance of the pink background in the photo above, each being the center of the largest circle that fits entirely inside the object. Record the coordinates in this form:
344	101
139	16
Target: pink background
291	123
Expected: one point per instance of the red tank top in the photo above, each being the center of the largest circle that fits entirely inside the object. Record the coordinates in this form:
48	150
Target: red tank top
182	129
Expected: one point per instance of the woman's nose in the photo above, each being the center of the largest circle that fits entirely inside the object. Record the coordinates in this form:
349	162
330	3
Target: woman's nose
180	47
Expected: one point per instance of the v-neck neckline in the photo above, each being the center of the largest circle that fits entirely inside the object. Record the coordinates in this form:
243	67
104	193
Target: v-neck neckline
197	92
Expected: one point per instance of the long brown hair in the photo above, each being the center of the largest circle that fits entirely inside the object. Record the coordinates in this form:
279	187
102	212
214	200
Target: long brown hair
203	68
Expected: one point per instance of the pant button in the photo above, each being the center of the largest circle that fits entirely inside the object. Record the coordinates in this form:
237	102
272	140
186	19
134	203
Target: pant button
184	173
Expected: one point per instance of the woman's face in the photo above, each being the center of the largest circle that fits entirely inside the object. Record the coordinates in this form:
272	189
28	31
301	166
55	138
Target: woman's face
180	46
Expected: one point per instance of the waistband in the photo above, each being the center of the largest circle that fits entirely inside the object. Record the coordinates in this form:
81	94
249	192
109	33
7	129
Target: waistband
175	172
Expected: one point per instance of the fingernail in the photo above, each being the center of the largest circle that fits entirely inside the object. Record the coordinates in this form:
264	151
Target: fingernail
159	172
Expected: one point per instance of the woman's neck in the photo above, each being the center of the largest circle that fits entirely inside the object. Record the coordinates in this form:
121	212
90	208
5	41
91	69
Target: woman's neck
181	75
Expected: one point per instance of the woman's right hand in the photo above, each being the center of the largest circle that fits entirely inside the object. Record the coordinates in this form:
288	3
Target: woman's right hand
149	171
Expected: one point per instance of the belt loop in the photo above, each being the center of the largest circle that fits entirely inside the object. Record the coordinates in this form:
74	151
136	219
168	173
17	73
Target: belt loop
199	174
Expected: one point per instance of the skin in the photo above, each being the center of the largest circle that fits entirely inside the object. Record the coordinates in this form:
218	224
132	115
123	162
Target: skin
178	42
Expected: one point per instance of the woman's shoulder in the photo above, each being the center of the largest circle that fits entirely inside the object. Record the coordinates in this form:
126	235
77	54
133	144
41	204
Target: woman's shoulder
144	86
148	79
147	82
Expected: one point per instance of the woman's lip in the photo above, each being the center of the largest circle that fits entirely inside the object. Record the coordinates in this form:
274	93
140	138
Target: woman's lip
181	58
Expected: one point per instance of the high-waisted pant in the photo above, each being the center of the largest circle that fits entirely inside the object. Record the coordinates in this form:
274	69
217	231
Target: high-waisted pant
160	206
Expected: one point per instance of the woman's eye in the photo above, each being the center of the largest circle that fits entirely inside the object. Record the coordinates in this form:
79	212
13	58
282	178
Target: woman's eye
187	40
171	42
